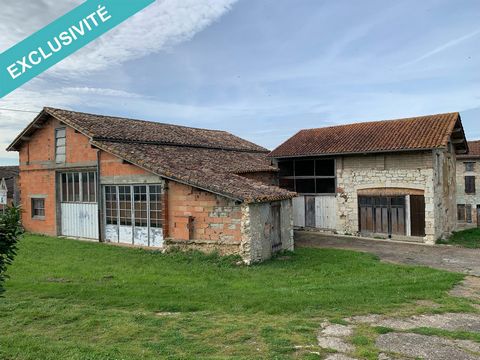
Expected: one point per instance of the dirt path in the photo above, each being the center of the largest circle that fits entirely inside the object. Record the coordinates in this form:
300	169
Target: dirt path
449	258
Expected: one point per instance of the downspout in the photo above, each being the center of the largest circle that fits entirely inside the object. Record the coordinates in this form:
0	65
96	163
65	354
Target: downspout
99	200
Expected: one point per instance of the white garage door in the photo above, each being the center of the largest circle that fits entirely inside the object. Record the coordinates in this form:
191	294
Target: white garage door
79	208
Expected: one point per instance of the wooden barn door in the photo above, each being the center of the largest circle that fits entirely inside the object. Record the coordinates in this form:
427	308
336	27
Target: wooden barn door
276	234
382	215
310	211
417	215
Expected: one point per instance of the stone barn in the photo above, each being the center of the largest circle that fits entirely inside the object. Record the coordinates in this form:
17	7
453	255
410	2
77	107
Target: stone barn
149	184
391	179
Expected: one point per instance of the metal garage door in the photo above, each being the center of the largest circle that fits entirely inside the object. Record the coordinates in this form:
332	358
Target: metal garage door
78	205
133	214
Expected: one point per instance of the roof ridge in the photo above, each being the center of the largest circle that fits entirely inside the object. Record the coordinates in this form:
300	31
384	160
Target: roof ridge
174	144
382	121
138	120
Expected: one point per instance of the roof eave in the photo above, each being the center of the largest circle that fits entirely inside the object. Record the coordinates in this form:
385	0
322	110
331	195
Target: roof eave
355	153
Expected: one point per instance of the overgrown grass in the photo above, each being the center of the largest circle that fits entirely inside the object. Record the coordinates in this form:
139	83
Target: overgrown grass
68	299
469	238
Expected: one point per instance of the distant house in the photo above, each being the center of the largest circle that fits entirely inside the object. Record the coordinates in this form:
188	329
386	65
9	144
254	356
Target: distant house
468	194
391	179
151	184
10	175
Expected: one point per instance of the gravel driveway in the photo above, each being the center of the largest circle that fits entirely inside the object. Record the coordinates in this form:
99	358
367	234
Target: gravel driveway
450	258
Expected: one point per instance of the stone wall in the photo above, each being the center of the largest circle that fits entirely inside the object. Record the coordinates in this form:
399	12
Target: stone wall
462	197
432	173
257	230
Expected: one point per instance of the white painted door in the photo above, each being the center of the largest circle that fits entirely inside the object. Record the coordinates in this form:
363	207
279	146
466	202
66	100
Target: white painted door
80	220
299	211
326	212
78	205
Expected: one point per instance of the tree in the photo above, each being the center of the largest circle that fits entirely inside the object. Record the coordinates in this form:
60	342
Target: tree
10	232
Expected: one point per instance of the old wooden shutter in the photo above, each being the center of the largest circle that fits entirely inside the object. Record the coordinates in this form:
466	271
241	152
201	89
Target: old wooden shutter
470	184
461	212
417	215
468	211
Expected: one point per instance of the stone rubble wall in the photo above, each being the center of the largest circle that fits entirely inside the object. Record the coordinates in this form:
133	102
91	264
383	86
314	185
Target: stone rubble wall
417	171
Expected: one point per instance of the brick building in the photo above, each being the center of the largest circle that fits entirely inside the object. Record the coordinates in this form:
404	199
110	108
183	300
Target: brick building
391	179
150	184
10	175
468	195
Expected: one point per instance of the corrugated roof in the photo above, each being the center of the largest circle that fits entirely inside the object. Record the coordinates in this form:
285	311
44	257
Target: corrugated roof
208	159
419	133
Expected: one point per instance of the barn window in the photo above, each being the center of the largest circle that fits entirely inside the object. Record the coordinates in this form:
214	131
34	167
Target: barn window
469	166
468	213
470	184
38	208
79	187
60	145
461	212
111	205
308	176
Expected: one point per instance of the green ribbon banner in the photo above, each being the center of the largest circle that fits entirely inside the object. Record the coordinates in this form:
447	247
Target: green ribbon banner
61	38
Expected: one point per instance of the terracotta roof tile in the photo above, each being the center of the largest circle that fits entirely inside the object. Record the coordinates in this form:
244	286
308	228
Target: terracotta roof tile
208	159
425	132
209	169
473	150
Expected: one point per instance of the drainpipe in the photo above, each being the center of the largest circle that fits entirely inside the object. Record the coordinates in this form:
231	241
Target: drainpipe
99	200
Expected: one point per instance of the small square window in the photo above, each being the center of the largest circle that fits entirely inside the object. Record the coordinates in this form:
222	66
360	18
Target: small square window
469	166
38	208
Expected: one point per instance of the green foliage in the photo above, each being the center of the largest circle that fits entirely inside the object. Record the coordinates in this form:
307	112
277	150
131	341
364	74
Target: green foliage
467	238
10	231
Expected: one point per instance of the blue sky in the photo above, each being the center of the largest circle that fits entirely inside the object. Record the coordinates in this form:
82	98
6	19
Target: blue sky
262	69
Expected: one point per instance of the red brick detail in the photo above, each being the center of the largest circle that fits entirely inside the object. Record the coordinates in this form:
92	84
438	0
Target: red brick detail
199	215
111	165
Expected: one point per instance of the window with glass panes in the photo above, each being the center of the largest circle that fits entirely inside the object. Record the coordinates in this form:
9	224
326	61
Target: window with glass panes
144	200
60	145
308	176
78	187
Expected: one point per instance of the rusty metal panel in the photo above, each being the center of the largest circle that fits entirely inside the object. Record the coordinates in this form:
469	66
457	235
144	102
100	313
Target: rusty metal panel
80	220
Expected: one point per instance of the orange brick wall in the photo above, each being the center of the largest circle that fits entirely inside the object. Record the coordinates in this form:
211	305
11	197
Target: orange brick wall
38	171
39	183
215	217
111	165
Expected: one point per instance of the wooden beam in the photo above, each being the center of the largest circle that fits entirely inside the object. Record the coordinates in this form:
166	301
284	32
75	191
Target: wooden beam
458	141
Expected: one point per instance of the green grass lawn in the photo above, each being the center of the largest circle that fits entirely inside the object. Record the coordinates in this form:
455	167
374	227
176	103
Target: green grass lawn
69	299
467	238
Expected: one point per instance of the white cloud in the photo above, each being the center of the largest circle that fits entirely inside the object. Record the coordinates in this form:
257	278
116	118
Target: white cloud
443	47
159	26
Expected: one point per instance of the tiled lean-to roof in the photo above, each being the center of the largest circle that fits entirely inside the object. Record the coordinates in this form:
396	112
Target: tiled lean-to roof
211	160
418	133
473	151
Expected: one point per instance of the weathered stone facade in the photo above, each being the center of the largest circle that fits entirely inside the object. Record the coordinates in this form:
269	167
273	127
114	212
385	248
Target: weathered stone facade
468	199
258	227
432	172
